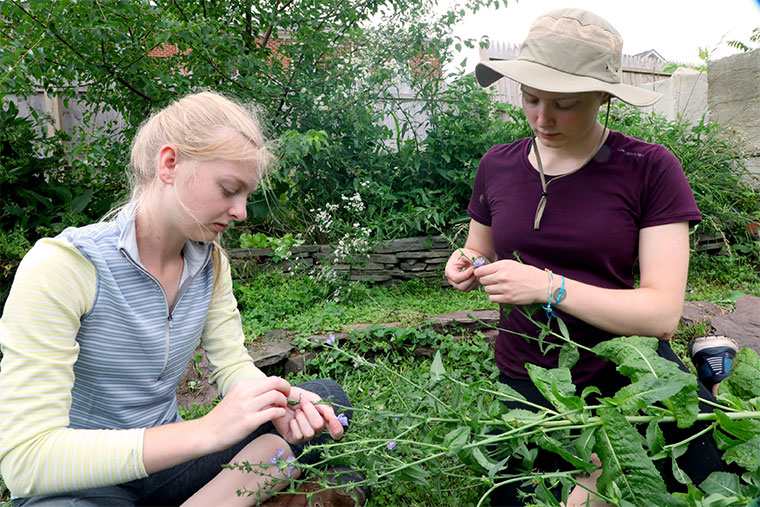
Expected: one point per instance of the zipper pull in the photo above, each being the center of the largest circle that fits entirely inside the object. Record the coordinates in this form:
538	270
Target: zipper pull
171	321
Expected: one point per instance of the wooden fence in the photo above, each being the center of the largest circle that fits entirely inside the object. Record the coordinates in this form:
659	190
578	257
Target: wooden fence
637	71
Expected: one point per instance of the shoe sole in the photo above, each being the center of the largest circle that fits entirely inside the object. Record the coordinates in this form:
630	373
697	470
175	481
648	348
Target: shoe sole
707	342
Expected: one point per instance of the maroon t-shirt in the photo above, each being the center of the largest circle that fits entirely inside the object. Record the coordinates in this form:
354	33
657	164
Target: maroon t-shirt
589	230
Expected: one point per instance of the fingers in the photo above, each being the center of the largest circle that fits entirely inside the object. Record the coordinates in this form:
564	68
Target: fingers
333	424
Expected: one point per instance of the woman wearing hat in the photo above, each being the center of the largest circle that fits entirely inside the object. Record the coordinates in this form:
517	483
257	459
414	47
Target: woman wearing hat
561	218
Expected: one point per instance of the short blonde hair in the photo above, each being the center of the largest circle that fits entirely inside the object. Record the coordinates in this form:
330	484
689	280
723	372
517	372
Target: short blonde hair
202	126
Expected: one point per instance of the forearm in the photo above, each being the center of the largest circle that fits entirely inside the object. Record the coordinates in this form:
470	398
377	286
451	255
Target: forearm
642	311
172	444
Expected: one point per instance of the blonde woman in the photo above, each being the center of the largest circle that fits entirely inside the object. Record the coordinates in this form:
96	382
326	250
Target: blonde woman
102	320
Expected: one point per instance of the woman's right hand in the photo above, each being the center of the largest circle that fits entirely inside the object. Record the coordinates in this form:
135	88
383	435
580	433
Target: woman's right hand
250	403
460	270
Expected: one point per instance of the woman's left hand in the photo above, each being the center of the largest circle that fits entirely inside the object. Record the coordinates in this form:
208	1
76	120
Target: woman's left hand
307	419
508	281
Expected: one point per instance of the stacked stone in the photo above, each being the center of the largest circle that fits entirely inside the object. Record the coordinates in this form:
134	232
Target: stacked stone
400	259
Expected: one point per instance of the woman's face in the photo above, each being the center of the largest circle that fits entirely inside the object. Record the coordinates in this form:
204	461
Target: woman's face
561	120
213	196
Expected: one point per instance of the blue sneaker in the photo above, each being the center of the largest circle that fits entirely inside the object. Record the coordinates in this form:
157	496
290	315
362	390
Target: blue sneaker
713	357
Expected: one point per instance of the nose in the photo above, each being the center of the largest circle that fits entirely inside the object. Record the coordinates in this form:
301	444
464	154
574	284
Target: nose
238	211
543	114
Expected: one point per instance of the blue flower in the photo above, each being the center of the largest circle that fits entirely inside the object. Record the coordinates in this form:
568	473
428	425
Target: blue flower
291	465
273	460
479	262
330	339
391	445
343	420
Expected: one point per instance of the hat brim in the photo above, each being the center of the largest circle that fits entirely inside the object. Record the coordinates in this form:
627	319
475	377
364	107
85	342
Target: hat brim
548	79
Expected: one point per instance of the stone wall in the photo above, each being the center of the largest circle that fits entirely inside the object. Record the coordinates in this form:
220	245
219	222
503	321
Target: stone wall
733	99
401	259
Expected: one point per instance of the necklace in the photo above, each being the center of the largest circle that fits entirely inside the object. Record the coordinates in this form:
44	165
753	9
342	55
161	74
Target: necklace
544	184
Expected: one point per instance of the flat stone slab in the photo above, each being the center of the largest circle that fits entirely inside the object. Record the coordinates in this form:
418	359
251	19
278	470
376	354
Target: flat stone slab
743	324
469	319
699	311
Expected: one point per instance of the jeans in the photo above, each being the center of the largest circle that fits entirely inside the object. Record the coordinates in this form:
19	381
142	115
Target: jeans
175	485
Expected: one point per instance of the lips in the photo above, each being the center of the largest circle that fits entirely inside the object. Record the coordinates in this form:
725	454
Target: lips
220	227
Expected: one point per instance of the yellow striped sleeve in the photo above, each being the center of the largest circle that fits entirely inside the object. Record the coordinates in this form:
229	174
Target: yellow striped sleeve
223	338
54	287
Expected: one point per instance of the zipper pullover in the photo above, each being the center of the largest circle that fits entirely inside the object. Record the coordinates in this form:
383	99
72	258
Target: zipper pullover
86	366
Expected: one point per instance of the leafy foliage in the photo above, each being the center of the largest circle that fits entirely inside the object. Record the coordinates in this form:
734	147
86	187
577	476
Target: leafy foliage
726	193
419	428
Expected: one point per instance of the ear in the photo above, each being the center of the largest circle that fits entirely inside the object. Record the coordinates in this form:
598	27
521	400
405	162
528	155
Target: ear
168	156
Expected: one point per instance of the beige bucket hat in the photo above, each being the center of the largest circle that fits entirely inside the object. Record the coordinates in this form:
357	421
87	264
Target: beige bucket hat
569	51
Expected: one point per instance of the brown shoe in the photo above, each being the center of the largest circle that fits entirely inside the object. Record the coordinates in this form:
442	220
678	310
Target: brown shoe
348	496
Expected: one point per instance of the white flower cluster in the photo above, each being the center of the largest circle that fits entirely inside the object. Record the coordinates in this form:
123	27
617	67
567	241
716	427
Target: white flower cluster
354	202
353	245
324	217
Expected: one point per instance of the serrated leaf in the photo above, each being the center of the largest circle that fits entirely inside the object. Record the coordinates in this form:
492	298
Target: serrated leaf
648	391
456	439
584	444
627	470
654	436
721	483
746	454
556	386
743	430
678	474
637	359
550	444
568	355
744	380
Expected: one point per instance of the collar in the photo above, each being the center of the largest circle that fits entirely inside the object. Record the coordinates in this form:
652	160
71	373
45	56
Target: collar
196	254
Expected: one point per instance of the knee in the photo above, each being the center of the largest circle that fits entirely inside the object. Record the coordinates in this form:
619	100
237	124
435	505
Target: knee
330	390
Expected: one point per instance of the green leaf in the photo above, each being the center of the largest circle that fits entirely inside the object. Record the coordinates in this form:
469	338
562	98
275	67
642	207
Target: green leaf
584	444
563	329
637	359
415	474
555	385
79	203
482	460
456	439
655	437
437	371
568	355
553	445
678	474
746	454
626	467
743	430
744	380
648	391
721	483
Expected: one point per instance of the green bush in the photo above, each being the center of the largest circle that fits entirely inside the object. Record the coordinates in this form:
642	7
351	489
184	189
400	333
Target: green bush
725	191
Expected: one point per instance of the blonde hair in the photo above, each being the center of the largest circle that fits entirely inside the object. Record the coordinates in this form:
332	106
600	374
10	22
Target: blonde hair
202	126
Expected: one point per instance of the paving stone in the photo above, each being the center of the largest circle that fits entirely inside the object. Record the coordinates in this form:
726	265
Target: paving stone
743	324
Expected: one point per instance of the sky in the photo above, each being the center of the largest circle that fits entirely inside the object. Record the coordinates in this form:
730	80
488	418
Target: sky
676	29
